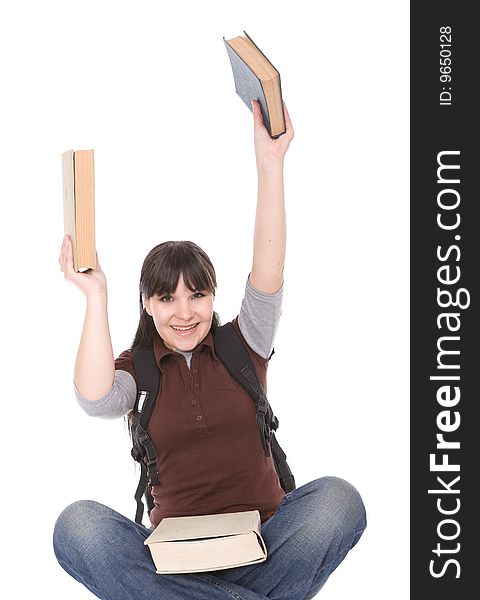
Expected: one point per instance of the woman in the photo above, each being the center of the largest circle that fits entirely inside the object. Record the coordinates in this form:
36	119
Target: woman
209	455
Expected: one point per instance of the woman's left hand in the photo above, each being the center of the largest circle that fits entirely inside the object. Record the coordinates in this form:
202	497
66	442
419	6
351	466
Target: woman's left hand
267	149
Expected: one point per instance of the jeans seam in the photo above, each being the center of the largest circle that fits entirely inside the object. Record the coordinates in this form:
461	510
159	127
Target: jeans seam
345	549
68	569
223	587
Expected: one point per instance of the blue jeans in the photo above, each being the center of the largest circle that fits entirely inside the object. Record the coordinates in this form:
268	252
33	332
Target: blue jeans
307	538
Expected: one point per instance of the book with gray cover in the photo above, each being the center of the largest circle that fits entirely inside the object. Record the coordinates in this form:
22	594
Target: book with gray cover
256	78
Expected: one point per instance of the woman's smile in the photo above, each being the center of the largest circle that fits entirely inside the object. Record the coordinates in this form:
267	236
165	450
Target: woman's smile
184	330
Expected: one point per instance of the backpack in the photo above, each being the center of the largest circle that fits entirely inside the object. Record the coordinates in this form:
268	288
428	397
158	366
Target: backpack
231	351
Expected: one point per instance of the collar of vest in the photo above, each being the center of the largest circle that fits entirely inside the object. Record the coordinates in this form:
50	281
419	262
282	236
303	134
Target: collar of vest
161	351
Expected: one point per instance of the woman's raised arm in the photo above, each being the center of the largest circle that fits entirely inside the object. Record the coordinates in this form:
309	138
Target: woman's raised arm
270	228
94	366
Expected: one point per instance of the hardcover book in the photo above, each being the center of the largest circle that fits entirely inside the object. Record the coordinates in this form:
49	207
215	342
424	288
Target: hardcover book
207	542
256	78
79	206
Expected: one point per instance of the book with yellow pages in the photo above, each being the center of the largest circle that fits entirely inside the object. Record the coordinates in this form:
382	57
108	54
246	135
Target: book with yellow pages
256	78
79	206
207	542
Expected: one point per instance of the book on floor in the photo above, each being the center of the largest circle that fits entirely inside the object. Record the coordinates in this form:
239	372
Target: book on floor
256	78
207	542
79	206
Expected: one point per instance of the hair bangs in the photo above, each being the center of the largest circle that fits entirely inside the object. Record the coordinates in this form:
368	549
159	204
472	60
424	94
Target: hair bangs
197	278
165	263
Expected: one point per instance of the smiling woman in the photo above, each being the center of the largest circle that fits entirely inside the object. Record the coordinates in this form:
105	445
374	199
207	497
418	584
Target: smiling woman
201	443
177	289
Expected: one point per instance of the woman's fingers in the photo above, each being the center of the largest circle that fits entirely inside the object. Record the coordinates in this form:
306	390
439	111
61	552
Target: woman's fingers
258	119
60	258
63	254
257	113
68	269
91	281
288	122
66	258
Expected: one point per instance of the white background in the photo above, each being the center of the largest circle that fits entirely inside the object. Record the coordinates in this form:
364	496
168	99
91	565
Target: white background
148	86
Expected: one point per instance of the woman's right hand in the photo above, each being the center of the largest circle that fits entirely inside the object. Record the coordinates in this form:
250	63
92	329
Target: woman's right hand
90	282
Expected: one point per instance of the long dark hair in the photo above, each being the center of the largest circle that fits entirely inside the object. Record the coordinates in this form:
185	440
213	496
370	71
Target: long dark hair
160	273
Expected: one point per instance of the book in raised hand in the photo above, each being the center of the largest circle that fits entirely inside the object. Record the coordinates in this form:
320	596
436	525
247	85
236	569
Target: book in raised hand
256	78
79	206
207	542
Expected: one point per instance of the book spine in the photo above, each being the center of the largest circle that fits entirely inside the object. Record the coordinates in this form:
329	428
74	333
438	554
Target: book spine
279	81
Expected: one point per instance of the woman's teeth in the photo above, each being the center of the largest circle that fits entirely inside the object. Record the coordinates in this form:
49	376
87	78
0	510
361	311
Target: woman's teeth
184	330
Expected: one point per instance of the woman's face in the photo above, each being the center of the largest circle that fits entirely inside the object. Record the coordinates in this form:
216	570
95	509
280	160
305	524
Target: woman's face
183	319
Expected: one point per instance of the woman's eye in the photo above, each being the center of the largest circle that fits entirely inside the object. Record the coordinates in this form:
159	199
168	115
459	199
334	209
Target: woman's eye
167	298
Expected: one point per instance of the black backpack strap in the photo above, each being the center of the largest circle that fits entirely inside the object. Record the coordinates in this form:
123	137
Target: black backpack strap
285	475
236	359
148	382
141	487
143	450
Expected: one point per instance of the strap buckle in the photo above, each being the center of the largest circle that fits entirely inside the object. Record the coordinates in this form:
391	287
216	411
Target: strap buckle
262	406
142	396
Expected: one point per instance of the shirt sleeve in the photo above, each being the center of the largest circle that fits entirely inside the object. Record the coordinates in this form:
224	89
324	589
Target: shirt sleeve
259	317
120	399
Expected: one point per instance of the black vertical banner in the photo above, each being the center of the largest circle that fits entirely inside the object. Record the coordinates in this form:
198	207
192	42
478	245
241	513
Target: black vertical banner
445	269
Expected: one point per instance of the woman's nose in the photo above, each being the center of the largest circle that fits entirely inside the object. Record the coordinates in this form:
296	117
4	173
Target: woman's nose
184	311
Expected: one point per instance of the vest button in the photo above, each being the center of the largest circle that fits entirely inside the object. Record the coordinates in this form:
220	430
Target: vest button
194	402
199	417
196	385
194	370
